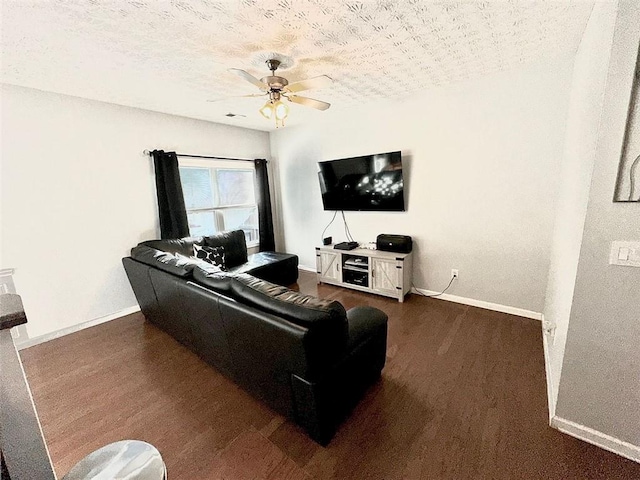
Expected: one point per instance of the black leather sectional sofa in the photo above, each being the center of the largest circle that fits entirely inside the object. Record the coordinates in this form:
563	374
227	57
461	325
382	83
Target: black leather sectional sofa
305	357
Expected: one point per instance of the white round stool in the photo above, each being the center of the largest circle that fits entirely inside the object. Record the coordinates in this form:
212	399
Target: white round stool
123	460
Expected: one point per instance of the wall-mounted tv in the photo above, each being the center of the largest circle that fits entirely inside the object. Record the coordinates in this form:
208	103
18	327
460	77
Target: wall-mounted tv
367	183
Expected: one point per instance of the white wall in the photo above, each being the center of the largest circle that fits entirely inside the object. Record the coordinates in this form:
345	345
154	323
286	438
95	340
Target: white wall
1	169
585	108
481	163
77	194
600	383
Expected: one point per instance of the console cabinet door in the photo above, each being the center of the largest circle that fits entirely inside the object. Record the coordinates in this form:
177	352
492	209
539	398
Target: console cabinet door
329	266
386	277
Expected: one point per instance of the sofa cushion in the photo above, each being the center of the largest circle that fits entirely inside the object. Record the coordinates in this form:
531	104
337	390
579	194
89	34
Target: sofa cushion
213	255
301	309
179	265
235	246
183	246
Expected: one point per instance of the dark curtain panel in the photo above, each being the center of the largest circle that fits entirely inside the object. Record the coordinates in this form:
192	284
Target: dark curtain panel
265	217
173	214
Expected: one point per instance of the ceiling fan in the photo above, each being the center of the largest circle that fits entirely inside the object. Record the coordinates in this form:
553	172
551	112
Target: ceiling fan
277	88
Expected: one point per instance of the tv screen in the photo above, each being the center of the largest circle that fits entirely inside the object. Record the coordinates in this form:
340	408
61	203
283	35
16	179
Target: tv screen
367	183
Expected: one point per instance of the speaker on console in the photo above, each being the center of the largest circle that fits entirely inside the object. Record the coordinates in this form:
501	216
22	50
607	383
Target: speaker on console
394	243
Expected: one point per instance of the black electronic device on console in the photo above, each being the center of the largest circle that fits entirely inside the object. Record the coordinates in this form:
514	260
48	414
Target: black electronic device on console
346	245
394	243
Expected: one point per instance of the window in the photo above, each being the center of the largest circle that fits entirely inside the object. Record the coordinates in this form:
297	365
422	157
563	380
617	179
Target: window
220	195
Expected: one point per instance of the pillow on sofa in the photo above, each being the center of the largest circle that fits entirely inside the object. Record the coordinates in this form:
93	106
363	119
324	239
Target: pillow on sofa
214	255
200	264
235	246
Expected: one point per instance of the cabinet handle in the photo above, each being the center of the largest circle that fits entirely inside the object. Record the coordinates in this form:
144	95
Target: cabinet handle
373	273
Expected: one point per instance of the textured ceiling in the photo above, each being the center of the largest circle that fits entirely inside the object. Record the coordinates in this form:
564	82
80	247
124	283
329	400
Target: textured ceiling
172	56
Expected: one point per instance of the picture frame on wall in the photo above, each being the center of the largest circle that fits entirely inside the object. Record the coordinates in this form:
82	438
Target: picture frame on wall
628	181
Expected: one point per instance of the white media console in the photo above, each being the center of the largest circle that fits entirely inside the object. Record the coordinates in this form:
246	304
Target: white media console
372	271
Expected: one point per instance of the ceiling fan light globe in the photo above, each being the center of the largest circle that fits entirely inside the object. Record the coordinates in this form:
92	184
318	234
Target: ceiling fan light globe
267	110
281	110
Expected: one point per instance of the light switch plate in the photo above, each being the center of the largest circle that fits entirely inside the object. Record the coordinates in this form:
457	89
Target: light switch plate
625	253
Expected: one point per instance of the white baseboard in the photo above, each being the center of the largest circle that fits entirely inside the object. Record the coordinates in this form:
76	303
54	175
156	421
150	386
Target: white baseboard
74	328
496	307
551	394
521	312
599	439
307	269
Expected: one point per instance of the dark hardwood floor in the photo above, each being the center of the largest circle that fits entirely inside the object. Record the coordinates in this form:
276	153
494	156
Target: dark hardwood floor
463	395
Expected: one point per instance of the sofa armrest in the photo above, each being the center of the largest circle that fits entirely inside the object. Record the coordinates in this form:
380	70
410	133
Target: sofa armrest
322	403
364	322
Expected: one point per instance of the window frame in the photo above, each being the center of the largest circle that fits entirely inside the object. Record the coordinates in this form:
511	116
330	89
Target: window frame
214	166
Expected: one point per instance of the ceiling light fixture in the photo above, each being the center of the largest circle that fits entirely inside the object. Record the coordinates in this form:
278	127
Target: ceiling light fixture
278	88
275	108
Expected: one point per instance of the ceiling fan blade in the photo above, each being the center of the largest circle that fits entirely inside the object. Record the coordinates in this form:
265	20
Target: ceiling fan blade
309	102
249	78
238	96
315	82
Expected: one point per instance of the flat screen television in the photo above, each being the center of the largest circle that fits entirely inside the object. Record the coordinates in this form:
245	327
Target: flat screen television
367	183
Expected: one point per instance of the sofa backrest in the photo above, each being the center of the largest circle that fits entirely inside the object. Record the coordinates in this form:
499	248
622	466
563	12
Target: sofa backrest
266	350
233	242
305	310
218	281
179	265
317	314
183	246
324	321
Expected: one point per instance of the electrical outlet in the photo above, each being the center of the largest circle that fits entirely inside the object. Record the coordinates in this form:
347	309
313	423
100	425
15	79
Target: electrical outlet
454	273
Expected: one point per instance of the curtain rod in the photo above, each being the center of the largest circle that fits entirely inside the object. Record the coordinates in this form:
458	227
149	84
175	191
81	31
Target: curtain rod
148	152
